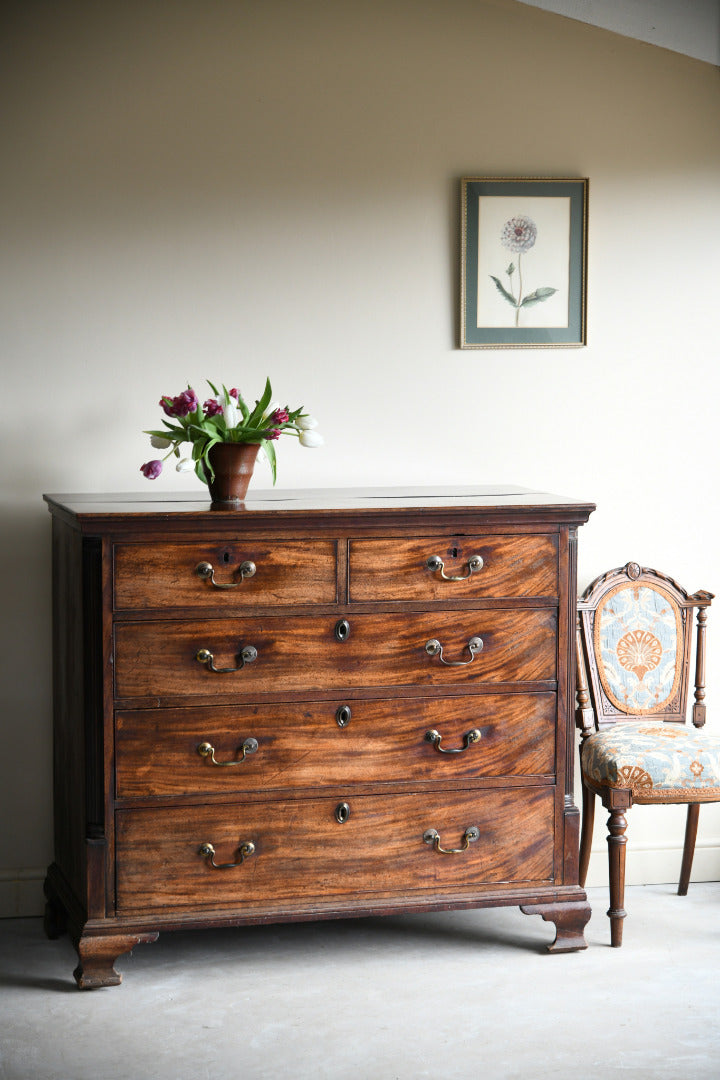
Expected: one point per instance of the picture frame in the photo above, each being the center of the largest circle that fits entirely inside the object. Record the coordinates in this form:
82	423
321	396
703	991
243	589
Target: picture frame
523	263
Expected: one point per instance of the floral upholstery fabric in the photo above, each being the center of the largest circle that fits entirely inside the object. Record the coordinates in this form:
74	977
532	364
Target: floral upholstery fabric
656	761
638	645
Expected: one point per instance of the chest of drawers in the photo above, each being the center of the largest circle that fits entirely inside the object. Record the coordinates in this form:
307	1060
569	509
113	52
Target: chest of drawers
323	704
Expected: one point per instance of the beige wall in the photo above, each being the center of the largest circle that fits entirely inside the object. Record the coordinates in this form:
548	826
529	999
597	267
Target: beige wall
239	189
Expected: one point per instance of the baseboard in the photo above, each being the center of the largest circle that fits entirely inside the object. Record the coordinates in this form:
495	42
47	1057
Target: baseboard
21	893
657	864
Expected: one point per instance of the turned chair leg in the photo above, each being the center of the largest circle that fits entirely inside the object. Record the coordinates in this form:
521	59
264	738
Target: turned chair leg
616	856
691	828
588	820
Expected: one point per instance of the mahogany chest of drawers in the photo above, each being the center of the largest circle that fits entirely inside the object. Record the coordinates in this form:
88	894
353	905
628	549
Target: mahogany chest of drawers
320	705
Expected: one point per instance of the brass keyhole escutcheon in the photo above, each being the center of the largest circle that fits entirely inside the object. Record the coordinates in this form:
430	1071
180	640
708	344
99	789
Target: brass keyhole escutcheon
342	812
343	715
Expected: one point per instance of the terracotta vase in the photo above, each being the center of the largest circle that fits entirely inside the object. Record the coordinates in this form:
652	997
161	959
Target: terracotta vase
233	465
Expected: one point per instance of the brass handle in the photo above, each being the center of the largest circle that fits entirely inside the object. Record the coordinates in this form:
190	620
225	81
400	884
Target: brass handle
246	656
435	563
434	648
471	834
207	750
244	850
469	738
206	571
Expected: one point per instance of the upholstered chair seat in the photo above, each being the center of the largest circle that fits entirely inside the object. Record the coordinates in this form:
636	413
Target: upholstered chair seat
656	762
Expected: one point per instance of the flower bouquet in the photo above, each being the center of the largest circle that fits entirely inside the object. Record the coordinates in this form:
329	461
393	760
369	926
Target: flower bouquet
224	419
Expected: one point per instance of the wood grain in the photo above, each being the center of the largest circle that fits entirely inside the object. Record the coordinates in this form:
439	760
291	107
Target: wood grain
164	575
396	568
301	745
302	851
302	653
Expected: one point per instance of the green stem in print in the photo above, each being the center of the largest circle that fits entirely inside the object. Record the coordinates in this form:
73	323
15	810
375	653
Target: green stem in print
520	287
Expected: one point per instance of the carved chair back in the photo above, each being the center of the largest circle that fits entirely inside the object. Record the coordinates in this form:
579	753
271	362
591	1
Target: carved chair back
635	634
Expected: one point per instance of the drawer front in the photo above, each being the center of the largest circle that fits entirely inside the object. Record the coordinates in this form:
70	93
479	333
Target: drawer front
159	659
301	851
166	575
332	743
397	569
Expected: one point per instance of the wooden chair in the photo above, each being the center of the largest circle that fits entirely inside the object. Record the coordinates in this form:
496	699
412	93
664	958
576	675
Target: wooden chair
635	632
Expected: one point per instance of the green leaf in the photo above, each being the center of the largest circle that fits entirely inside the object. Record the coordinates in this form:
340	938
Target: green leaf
536	297
271	456
260	406
510	270
243	407
501	289
214	388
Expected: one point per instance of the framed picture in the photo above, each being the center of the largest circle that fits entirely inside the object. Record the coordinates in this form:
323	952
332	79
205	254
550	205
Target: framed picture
524	263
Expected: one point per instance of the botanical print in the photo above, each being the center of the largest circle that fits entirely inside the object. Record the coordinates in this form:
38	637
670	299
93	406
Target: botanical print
532	289
519	235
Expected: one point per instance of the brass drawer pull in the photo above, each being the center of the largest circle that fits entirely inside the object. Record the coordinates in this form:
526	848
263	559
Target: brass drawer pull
435	563
246	656
245	850
207	750
471	834
434	648
469	738
206	571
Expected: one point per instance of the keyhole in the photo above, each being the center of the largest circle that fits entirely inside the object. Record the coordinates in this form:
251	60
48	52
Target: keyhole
226	557
454	553
342	812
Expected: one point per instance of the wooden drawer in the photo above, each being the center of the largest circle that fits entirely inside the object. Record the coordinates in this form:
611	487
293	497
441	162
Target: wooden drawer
165	575
396	569
302	744
159	659
303	852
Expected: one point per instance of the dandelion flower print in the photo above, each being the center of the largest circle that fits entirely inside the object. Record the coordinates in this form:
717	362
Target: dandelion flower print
519	235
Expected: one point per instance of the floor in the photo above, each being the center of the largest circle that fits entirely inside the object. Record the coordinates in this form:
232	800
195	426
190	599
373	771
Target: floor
447	996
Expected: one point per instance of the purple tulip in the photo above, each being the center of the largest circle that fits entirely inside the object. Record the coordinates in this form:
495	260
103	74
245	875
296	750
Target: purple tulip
271	434
211	407
151	469
167	403
280	416
185	403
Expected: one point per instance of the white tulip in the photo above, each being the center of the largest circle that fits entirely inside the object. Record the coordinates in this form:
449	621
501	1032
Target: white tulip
185	465
306	423
311	438
159	443
230	413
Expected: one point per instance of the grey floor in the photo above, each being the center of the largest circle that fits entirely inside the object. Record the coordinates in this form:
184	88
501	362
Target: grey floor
449	995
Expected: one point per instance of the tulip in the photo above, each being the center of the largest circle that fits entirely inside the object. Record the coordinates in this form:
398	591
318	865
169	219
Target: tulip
280	416
306	423
271	434
211	407
151	469
185	465
230	413
159	443
185	403
311	438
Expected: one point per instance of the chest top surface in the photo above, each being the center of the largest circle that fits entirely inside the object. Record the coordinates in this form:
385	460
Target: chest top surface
118	512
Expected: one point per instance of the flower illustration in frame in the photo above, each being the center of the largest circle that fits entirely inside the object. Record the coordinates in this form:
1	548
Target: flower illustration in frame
519	235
